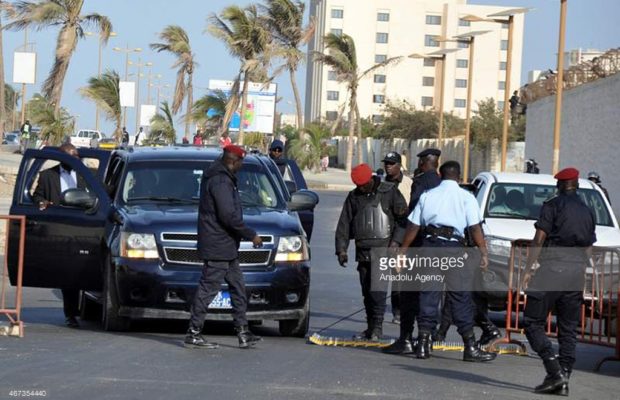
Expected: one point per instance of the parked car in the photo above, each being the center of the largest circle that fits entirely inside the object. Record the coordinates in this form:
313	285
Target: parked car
86	138
12	138
107	144
129	241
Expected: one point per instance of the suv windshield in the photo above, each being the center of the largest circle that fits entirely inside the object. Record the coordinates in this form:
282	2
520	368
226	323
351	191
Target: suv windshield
524	201
179	182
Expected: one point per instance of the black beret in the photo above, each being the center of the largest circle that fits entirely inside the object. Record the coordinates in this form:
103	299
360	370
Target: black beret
429	152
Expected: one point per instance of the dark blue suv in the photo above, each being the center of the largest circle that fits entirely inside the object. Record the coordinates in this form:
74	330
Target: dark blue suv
128	239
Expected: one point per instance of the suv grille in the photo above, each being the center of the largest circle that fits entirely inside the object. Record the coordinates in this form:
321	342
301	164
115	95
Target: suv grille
191	256
192	237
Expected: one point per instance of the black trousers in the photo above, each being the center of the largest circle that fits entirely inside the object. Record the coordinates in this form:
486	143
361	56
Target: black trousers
213	274
395	299
567	306
481	313
374	302
70	302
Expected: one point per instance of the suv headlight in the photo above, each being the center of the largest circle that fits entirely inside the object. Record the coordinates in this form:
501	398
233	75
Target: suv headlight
292	248
138	245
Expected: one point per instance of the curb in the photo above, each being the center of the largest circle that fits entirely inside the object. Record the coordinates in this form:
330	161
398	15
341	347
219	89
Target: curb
317	185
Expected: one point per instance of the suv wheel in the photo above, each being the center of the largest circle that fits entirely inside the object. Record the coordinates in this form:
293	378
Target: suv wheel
296	327
110	319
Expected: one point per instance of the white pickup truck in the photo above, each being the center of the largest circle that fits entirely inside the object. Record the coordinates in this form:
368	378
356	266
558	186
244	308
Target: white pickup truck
86	138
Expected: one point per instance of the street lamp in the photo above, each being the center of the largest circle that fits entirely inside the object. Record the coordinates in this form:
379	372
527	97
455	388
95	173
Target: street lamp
158	87
126	50
559	89
470	39
438	55
507	84
149	84
139	64
112	34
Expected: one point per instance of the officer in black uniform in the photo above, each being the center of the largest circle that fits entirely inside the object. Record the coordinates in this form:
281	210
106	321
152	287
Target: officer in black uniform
427	179
220	230
565	232
371	214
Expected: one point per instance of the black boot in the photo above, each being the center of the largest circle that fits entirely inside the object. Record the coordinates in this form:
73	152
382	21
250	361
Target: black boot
563	391
489	334
363	335
403	345
246	338
194	340
440	335
423	348
376	333
554	380
472	353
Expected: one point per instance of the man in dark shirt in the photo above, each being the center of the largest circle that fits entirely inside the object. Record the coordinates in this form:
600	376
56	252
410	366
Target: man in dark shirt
276	153
220	230
565	232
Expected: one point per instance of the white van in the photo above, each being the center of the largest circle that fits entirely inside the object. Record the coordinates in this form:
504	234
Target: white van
86	138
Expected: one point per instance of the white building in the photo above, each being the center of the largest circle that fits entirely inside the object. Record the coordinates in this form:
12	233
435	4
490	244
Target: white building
390	28
578	56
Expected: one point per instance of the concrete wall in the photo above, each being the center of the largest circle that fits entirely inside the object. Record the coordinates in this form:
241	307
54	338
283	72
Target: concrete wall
590	132
488	159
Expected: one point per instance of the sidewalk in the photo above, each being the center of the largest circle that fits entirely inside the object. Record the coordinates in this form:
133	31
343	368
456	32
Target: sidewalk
333	179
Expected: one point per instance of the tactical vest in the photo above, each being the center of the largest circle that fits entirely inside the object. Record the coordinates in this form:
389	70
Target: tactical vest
372	222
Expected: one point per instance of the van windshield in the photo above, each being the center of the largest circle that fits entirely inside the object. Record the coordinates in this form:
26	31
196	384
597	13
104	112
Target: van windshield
179	183
524	201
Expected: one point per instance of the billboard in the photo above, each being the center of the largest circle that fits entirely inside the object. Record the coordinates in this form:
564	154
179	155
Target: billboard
147	111
24	67
127	93
261	108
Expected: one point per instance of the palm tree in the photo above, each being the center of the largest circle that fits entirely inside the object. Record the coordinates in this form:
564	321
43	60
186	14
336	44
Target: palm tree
210	109
8	9
162	125
11	97
307	148
285	20
176	41
244	33
66	13
342	58
55	125
104	91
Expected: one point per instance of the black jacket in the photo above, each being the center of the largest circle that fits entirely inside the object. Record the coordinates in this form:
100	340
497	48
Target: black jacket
421	183
392	202
48	187
220	217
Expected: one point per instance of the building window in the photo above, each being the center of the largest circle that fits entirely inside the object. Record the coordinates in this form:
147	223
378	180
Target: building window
463	45
427	101
331	115
504	45
382	37
378	98
379	58
337	32
501	85
460	83
433	20
502	65
429	41
500	105
462	63
428	81
462	22
429	62
460	103
383	17
333	95
377	119
379	78
337	13
332	76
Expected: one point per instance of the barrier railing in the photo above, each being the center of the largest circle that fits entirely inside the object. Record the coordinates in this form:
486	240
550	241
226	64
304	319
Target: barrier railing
13	310
600	315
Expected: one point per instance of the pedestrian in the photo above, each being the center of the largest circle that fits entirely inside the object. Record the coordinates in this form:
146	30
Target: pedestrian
185	140
198	138
441	217
52	183
372	214
137	141
324	162
565	232
425	178
276	153
514	104
531	166
25	130
220	231
225	140
395	175
125	138
594	177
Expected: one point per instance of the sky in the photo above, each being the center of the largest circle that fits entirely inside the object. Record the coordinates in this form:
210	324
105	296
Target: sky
590	24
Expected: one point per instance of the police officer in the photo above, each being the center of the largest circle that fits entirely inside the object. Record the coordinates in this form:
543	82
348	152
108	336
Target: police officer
220	230
565	232
26	131
371	214
393	168
425	179
594	177
441	216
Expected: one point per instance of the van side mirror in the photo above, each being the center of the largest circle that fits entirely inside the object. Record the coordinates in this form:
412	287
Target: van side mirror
79	198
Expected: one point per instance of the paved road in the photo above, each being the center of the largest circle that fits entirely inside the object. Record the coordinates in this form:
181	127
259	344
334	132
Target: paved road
149	362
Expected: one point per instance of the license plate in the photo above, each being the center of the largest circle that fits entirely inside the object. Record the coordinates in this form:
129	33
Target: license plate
221	301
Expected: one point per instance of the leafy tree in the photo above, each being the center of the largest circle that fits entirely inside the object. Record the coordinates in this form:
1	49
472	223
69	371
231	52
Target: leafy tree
42	14
162	125
55	126
104	91
308	148
517	129
11	97
403	120
214	102
486	124
176	41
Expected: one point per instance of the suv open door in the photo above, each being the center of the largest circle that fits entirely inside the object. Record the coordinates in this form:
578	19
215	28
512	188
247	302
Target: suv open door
63	242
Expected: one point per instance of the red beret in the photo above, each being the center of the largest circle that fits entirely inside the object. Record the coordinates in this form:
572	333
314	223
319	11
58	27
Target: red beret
567	174
361	175
236	150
